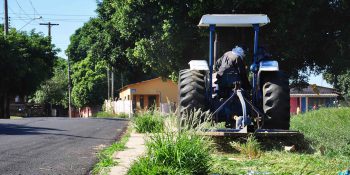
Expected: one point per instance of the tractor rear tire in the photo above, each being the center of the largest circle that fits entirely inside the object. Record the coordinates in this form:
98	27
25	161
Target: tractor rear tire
192	91
276	100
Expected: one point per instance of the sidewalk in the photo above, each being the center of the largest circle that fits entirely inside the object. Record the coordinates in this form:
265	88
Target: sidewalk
135	147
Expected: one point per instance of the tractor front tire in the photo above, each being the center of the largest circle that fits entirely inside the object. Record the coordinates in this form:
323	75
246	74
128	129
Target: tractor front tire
192	91
276	100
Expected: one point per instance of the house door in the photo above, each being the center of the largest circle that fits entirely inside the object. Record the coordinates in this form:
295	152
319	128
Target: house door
303	104
152	101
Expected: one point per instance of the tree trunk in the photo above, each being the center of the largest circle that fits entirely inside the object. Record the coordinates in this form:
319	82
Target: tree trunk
4	106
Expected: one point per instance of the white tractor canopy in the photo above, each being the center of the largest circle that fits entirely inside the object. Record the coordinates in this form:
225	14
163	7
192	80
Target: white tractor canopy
233	20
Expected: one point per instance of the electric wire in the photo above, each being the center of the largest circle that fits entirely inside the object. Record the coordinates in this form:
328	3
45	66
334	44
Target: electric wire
22	8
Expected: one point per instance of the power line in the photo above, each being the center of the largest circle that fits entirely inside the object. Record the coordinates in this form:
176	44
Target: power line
16	15
35	11
21	8
55	14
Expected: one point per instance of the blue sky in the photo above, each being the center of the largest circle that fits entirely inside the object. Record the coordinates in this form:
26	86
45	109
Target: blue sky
70	15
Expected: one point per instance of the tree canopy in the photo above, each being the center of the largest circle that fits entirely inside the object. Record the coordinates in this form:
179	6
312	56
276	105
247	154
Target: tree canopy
26	60
55	89
158	38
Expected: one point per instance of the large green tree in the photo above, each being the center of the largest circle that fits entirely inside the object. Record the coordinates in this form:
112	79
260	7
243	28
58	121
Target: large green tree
26	60
163	36
55	89
157	38
89	80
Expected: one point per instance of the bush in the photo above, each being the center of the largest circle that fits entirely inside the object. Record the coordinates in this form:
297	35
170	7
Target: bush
251	148
103	114
149	122
175	153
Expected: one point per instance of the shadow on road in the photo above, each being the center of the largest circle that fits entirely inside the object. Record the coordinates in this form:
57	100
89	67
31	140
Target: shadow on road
15	129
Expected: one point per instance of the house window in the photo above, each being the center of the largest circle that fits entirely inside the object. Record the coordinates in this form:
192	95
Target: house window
142	102
128	97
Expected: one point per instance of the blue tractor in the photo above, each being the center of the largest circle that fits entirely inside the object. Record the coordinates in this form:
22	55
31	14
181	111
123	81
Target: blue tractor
263	107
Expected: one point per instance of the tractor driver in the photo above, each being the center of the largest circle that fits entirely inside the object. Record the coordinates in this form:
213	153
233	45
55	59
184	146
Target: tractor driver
233	60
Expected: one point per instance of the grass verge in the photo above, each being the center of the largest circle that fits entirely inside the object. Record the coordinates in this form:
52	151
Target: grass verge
326	130
104	114
105	156
278	162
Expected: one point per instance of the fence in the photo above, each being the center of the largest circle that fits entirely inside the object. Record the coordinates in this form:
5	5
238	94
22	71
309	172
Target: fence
125	106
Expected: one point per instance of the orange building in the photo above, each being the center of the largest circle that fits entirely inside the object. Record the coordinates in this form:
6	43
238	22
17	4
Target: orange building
159	93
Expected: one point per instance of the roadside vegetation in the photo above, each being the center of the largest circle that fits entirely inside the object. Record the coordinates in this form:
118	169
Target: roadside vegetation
104	114
327	130
149	122
105	156
175	150
327	133
325	149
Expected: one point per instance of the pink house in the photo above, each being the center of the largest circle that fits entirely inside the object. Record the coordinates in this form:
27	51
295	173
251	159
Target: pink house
310	97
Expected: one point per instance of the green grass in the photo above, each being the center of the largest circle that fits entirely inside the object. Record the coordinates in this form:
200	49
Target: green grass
175	153
15	117
277	162
149	122
103	114
251	148
176	150
328	129
105	157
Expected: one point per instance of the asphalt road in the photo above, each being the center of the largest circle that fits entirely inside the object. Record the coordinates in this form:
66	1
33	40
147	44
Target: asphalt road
54	145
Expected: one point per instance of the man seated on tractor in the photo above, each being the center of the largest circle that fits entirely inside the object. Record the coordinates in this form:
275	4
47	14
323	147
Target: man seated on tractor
231	65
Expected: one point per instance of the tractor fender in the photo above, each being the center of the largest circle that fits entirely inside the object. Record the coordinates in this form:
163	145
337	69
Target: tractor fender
266	66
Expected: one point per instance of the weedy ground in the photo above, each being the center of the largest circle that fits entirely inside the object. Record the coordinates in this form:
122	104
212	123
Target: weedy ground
324	150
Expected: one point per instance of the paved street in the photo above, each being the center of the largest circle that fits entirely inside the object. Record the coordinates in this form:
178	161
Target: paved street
54	145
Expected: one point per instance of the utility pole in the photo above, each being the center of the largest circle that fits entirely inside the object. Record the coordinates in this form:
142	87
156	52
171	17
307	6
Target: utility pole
112	84
49	25
69	92
109	89
6	19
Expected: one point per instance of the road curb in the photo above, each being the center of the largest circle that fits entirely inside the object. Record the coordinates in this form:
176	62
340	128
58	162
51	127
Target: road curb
135	147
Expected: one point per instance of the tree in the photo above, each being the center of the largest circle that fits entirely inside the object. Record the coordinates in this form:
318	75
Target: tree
55	89
26	60
163	36
89	82
145	38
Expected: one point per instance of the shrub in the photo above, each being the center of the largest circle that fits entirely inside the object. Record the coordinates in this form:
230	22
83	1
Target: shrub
149	122
251	148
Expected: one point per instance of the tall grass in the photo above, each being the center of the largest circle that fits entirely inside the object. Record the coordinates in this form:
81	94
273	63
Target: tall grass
328	129
149	122
177	150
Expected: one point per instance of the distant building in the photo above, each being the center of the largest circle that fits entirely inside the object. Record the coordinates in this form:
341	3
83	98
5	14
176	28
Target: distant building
312	97
149	94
